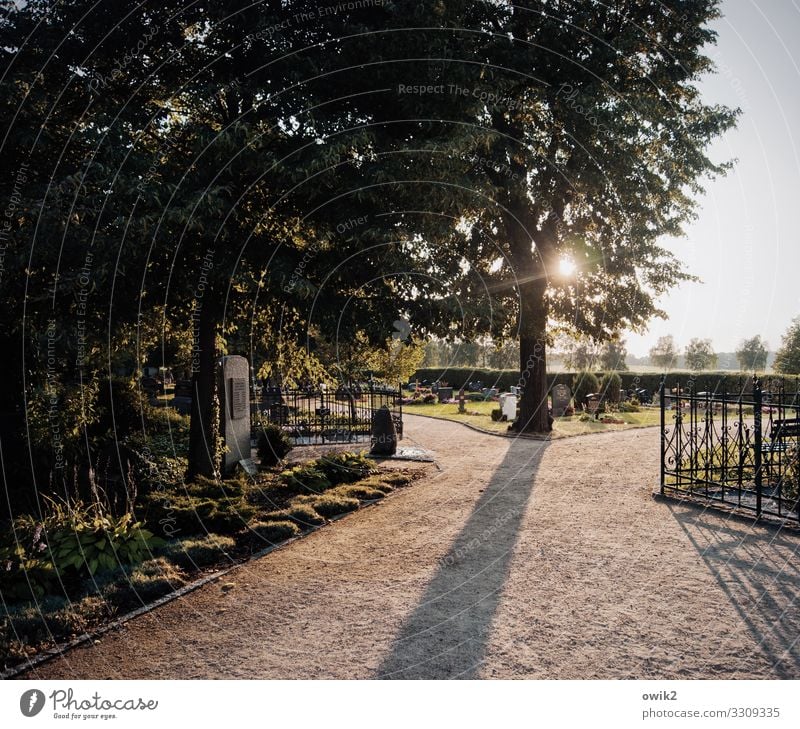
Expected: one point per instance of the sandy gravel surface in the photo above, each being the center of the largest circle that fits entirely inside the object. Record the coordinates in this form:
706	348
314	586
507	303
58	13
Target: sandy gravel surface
518	559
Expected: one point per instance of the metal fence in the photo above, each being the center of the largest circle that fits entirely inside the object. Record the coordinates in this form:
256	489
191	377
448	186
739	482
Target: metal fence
739	449
318	416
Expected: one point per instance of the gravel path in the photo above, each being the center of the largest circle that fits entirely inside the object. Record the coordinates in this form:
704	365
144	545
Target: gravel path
518	559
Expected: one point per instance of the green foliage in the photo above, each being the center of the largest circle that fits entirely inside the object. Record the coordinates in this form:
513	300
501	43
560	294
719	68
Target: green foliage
70	544
752	354
204	506
82	540
273	444
629	406
664	352
360	491
611	387
330	505
496	414
700	355
149	581
275	531
301	514
199	552
387	480
345	467
309	477
612	355
787	358
583	384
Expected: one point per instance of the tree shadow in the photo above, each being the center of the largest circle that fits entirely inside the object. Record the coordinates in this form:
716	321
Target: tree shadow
447	633
757	568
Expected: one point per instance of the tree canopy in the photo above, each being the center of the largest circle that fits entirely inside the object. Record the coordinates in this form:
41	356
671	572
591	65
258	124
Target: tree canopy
187	180
787	358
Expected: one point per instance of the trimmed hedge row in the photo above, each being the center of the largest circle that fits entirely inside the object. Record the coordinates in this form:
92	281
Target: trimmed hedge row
458	377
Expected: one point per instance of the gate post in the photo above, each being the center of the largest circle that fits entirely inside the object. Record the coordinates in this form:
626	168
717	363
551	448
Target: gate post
757	441
663	437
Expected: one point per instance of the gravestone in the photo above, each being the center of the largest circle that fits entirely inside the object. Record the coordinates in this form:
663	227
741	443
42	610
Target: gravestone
561	399
234	404
384	433
593	404
182	401
508	407
445	393
461	401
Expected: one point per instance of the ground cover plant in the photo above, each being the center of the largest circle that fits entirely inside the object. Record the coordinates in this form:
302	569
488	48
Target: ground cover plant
80	567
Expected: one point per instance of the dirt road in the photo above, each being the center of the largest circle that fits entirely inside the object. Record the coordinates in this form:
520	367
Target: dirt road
518	559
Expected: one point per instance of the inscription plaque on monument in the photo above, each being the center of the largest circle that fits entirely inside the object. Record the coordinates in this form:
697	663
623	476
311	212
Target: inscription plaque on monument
238	397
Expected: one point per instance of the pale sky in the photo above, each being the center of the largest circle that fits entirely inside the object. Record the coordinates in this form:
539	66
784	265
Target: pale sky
745	245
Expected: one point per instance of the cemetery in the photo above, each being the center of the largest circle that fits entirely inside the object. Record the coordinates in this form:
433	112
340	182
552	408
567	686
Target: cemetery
335	343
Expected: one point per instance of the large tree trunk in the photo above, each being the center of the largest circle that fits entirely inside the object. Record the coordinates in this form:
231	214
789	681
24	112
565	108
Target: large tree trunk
204	428
533	411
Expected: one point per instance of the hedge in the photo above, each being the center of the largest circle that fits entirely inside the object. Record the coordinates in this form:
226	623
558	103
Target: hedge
733	382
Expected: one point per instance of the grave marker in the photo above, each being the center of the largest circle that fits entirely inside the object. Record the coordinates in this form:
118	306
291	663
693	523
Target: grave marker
234	392
561	399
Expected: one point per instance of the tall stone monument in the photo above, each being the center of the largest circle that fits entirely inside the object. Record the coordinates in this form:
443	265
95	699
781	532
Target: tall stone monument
234	405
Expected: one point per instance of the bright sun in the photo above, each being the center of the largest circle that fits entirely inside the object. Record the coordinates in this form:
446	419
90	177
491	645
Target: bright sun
566	266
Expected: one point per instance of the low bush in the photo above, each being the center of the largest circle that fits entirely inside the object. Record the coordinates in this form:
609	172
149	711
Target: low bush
628	407
584	384
69	545
273	444
497	414
611	387
345	467
275	531
302	479
151	580
387	481
330	505
206	506
192	553
301	514
54	619
359	491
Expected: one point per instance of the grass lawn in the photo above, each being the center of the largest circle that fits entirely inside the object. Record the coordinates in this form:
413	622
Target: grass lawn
479	415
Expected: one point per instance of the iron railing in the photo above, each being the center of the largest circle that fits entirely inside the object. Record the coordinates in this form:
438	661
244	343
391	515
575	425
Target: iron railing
332	415
740	449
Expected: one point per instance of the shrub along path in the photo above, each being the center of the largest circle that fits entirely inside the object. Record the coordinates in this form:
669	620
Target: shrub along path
517	559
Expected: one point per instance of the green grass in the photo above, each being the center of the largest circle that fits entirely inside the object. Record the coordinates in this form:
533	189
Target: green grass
479	415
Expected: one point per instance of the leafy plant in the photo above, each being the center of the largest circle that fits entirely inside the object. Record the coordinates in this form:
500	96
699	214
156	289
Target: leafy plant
87	540
273	444
345	467
584	384
611	387
305	478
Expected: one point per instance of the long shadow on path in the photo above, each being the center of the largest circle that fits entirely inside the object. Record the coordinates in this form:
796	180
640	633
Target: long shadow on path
447	633
758	569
